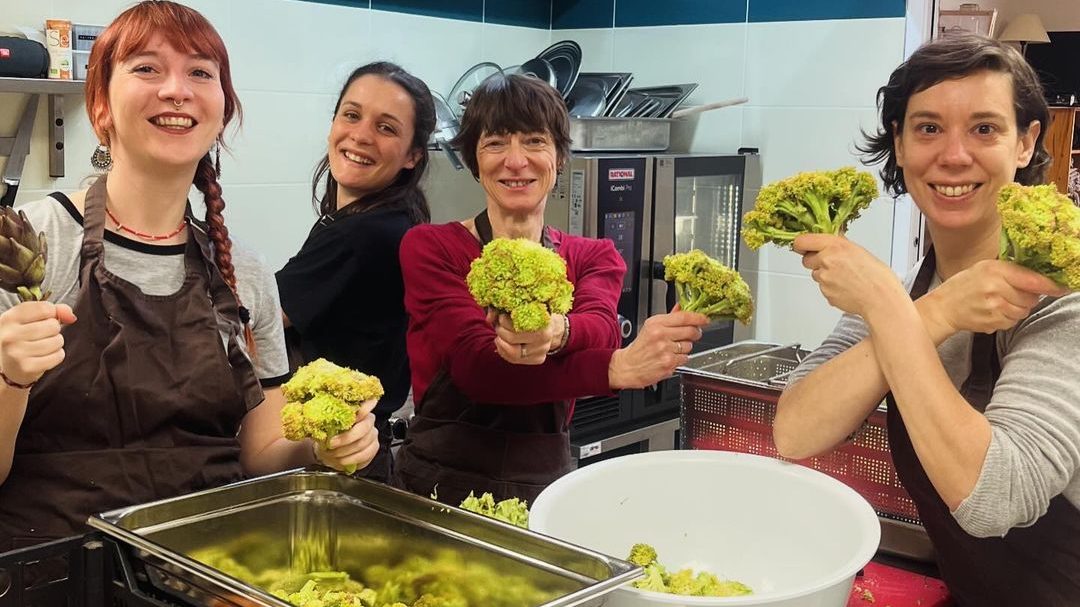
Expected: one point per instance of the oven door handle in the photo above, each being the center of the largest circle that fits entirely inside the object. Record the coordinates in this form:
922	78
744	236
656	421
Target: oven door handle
662	290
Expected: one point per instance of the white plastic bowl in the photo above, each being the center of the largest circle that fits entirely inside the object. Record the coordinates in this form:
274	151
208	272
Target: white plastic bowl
794	535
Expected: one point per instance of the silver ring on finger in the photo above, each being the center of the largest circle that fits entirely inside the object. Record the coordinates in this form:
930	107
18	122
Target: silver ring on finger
524	351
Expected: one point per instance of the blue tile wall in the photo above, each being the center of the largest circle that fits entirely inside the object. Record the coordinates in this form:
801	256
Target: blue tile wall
466	10
523	13
574	14
638	13
810	10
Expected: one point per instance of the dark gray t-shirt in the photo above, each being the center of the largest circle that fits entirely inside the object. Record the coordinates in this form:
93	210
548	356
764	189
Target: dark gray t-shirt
1034	413
156	270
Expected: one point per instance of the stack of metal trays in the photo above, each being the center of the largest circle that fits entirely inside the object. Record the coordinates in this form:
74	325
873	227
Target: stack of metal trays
753	363
206	548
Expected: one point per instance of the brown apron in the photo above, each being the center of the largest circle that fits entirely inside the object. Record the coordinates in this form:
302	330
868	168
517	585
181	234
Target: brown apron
1036	565
455	445
146	405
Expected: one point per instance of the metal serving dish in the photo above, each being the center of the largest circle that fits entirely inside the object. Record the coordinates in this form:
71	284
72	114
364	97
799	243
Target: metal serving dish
312	520
752	363
620	134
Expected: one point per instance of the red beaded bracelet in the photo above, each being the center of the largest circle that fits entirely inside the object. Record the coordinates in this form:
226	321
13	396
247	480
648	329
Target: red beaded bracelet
14	384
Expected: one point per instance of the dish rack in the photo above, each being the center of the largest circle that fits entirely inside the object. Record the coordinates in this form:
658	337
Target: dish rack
728	402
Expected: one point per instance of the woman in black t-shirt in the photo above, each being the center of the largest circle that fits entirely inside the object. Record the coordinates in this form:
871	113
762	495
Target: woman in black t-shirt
342	294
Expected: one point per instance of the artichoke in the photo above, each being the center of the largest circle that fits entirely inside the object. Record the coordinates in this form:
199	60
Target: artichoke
22	256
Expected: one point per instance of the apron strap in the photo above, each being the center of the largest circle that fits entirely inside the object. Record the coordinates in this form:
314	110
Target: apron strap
93	222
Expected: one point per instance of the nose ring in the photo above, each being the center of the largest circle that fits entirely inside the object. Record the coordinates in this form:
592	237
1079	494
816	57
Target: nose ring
177	103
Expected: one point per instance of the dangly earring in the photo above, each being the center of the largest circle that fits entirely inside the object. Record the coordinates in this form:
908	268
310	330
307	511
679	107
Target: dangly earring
101	159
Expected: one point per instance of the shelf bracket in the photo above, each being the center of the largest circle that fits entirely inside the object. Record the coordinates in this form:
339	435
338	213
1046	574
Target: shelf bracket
56	135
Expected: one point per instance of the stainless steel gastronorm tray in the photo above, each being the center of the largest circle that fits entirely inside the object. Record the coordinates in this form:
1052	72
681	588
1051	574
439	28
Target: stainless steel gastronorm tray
307	519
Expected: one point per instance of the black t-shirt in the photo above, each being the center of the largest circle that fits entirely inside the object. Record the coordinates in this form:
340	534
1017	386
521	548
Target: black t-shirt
344	295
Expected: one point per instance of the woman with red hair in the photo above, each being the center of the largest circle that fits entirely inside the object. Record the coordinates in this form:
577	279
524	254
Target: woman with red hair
140	379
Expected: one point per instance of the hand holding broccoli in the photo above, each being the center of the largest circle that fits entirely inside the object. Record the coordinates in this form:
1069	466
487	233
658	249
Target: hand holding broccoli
663	343
331	405
708	287
525	347
820	202
521	278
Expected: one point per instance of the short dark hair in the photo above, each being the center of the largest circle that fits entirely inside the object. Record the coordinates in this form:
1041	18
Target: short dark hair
404	192
950	57
513	103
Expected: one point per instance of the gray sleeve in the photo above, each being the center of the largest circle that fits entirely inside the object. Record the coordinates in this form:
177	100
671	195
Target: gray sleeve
849	331
258	291
1034	415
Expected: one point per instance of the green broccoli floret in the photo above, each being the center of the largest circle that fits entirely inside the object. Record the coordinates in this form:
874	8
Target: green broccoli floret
684	582
642	555
512	510
521	278
1040	230
654	579
823	202
323	401
707	286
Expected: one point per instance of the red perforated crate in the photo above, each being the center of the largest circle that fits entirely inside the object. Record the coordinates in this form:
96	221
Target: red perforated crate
728	403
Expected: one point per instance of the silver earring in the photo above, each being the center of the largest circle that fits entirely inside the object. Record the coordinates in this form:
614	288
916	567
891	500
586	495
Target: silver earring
101	159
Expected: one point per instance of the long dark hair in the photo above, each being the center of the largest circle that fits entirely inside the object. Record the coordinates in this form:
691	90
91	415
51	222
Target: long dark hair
951	57
404	193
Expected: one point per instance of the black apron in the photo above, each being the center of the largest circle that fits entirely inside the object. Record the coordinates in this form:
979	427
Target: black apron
1037	565
146	405
455	446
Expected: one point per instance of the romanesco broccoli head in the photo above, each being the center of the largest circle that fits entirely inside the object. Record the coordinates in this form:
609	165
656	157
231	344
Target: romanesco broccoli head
1040	230
522	278
823	202
642	555
325	416
321	376
707	286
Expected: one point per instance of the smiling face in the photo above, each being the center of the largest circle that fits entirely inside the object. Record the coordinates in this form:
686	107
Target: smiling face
144	123
517	170
371	137
959	144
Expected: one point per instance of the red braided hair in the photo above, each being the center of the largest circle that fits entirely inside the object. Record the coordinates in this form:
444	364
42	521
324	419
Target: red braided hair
206	180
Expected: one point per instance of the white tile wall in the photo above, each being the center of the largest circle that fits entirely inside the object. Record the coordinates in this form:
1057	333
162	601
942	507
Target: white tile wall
508	45
436	50
597	47
839	63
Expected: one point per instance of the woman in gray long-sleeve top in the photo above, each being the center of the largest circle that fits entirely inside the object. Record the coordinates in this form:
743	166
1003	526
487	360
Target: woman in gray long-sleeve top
976	357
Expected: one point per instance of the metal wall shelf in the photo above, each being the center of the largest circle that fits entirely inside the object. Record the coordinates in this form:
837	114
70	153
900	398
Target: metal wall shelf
19	144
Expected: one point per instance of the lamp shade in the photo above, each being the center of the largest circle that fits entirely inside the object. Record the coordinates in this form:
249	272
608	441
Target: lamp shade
1025	28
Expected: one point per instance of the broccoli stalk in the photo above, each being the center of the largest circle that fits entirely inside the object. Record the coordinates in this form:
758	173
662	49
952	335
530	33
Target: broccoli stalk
523	279
822	202
1040	230
706	286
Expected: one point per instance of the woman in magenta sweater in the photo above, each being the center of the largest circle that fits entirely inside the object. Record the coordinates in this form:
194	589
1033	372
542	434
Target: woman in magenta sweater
492	405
